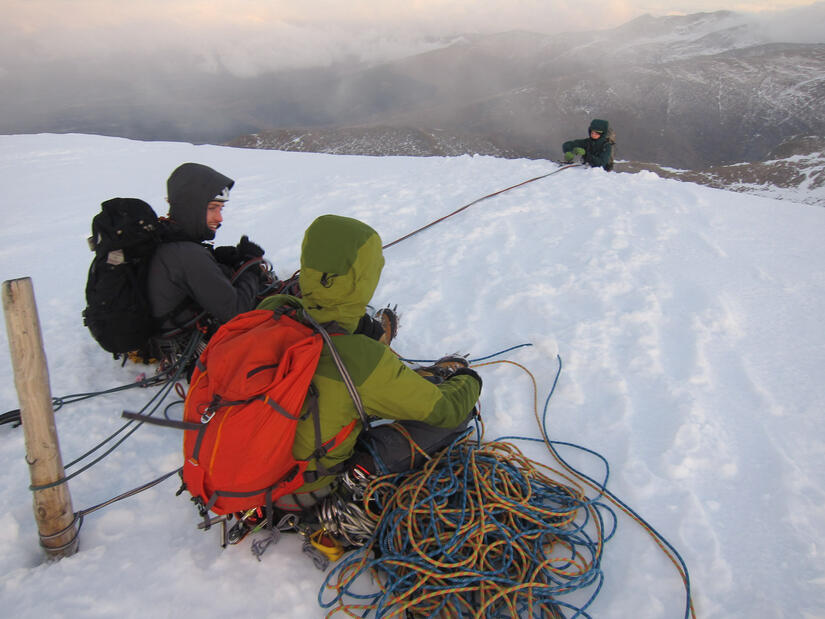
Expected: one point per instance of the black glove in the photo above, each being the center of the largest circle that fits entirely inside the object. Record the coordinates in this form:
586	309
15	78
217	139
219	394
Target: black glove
467	372
370	327
248	250
228	255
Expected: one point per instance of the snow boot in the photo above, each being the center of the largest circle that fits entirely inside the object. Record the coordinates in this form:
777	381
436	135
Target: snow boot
388	317
442	369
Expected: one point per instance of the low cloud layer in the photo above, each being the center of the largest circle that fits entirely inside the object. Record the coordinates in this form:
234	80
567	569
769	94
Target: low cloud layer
247	37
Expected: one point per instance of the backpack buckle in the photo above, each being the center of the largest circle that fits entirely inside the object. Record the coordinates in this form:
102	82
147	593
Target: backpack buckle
211	409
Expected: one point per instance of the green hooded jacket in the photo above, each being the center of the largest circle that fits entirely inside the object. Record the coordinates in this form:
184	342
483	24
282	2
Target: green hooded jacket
597	153
341	262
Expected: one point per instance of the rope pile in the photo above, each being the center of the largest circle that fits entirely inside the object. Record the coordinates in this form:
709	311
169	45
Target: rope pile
480	531
483	531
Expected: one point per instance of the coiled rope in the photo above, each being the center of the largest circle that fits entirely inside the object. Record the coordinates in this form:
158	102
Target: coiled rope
483	531
479	531
601	487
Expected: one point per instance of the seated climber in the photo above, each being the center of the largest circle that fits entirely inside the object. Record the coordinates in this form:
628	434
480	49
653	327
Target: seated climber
341	262
188	279
184	268
595	150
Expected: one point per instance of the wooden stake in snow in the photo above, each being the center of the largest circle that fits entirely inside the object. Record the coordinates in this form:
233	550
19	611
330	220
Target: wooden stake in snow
53	512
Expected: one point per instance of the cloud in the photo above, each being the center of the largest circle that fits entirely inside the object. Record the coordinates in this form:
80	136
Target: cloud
798	25
250	35
247	37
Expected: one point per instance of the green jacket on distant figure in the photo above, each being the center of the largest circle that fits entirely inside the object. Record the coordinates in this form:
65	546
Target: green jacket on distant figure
341	262
597	149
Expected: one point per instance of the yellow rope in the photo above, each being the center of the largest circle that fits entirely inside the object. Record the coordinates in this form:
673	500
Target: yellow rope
593	486
424	522
476	554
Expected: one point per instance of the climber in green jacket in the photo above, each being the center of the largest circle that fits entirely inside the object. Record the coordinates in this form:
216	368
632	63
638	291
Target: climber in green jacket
595	150
341	262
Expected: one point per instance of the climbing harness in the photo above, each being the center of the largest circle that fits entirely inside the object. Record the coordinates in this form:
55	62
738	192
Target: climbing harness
489	195
341	513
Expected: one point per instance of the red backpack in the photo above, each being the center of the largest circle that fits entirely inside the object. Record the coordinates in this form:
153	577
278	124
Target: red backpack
244	403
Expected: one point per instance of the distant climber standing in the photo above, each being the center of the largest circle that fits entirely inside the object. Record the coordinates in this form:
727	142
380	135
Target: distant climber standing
596	150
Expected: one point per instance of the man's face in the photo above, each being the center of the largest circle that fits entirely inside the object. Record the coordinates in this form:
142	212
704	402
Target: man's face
214	215
595	135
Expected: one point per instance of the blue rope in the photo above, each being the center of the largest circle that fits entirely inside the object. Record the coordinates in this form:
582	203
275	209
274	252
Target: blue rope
401	568
604	491
520	527
495	354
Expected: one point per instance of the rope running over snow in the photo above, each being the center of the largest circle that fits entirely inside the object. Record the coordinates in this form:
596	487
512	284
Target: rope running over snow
489	195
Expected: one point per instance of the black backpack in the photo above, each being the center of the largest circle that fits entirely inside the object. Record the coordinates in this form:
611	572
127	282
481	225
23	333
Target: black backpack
124	237
611	139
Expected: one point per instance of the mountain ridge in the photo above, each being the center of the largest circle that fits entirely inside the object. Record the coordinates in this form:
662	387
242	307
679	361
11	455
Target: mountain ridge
687	92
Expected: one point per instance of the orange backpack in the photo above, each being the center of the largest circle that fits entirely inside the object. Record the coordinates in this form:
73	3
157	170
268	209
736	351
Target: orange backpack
244	403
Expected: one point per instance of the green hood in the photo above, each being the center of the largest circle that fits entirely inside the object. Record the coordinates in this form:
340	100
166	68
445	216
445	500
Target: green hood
341	262
597	124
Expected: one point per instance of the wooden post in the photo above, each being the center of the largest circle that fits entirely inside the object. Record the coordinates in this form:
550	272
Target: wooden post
52	506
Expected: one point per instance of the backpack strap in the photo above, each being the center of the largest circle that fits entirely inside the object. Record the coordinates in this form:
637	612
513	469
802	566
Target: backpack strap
157	421
339	363
322	449
200	428
178	325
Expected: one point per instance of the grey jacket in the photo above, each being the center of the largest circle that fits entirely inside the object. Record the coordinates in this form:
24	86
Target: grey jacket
184	276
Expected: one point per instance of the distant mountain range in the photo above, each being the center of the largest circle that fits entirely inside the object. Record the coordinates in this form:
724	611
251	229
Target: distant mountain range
695	92
686	91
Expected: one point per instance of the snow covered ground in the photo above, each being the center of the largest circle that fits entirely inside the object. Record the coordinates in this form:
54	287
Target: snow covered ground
689	321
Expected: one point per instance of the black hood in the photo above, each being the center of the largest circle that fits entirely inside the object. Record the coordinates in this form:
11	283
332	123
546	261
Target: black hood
189	189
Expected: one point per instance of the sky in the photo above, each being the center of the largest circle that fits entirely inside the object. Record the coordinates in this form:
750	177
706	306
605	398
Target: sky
249	35
688	321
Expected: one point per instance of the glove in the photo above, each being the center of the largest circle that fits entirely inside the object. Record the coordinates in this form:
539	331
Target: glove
568	156
369	327
228	255
578	151
467	372
247	249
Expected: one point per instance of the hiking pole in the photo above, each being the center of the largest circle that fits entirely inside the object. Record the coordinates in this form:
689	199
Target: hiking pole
56	521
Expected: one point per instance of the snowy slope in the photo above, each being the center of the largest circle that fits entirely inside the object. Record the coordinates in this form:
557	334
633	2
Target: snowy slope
796	175
688	320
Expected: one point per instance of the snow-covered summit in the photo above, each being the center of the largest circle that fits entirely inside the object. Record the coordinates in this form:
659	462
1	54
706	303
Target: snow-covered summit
688	320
